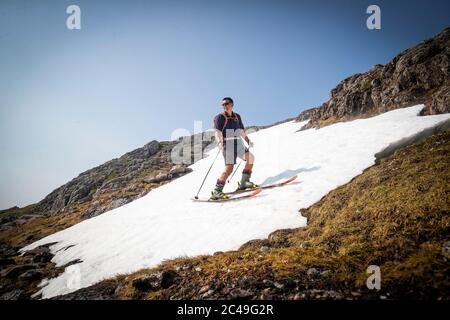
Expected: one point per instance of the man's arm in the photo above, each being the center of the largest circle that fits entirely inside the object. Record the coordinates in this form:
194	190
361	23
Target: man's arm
242	131
219	138
244	136
218	125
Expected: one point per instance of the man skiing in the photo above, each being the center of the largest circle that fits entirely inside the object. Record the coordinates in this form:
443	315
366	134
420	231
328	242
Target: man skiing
229	133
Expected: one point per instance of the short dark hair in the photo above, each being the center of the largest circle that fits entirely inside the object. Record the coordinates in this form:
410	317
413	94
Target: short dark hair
228	99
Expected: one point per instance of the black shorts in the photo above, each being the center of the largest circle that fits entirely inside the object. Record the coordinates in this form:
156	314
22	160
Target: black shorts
233	149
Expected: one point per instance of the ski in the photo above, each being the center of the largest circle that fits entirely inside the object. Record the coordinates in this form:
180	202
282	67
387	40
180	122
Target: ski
274	185
248	195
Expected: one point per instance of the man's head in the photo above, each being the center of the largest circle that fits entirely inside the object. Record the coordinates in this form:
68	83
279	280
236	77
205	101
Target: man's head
227	104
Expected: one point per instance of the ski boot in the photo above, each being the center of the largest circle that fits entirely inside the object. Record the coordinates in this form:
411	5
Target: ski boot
245	183
218	194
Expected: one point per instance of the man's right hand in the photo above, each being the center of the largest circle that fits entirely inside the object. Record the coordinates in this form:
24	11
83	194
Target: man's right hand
220	145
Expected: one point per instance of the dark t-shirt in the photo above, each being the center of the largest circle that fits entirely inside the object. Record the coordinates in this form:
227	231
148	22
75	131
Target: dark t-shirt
234	123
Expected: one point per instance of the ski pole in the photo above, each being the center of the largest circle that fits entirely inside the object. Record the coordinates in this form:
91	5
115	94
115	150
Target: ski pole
196	197
237	167
235	170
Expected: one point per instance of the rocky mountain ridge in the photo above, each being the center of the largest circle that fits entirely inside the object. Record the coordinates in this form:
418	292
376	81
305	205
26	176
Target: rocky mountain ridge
419	75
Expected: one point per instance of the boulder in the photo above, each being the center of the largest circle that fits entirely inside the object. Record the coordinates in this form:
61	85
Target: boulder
151	148
168	278
177	170
238	293
31	275
280	238
12	295
313	272
155	281
255	244
15	271
147	282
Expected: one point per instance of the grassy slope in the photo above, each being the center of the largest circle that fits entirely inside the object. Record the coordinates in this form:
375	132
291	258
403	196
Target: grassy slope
16	211
394	215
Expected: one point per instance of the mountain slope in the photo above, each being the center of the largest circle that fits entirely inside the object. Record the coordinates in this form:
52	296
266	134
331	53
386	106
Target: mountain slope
394	215
165	224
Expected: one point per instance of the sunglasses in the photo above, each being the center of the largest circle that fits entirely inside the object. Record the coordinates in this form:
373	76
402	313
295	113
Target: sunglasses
225	103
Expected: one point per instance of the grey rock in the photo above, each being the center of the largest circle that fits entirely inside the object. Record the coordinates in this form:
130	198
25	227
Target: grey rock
168	278
155	281
31	275
183	267
267	283
159	178
104	290
243	281
204	289
177	169
8	226
280	238
208	294
237	293
43	257
151	148
313	272
439	102
305	115
15	271
290	284
278	285
305	245
255	244
12	295
147	282
446	249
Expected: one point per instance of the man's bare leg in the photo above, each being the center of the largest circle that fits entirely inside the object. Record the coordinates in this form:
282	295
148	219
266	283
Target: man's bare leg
226	172
249	160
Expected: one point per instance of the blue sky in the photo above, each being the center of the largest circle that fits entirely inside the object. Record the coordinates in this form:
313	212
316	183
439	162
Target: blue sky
137	70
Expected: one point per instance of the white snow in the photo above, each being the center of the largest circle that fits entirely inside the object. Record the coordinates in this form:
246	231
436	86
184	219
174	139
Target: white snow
166	224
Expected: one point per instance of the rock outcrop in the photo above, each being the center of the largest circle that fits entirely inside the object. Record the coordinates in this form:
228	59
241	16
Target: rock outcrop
122	180
418	75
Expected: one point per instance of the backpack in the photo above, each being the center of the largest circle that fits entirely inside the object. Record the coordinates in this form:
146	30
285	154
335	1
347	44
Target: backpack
226	119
